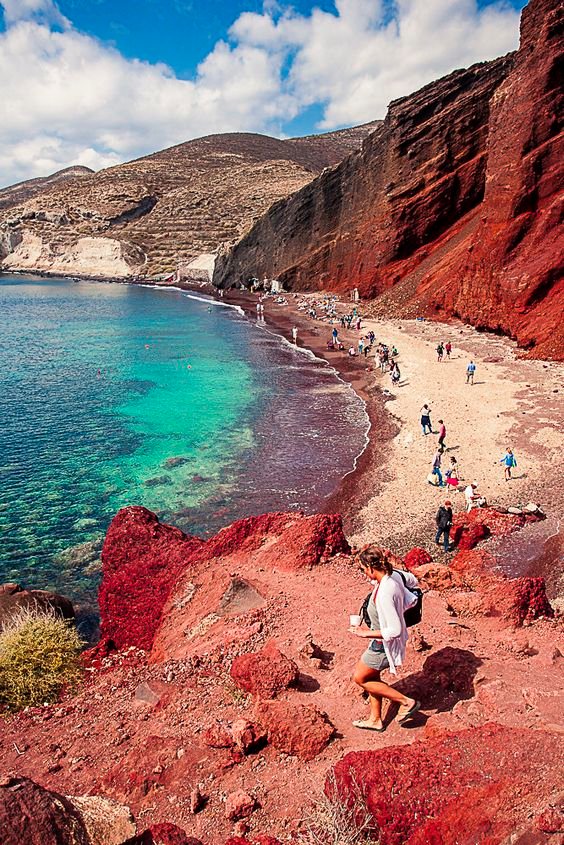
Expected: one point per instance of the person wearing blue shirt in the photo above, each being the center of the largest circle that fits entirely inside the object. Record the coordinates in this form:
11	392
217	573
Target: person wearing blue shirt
509	462
470	370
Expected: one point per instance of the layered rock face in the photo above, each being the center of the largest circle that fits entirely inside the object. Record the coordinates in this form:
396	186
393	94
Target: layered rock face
161	211
451	206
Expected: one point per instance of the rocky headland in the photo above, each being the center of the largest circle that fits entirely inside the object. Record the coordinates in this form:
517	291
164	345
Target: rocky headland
452	207
220	700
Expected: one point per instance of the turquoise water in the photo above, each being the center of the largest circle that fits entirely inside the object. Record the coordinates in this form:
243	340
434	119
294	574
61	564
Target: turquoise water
113	395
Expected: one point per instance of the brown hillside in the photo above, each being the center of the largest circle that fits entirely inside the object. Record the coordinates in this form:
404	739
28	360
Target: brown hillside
151	214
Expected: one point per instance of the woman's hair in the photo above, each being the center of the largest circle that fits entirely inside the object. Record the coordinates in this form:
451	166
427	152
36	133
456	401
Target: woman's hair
377	558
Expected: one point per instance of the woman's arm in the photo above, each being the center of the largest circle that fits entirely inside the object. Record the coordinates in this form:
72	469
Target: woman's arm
366	633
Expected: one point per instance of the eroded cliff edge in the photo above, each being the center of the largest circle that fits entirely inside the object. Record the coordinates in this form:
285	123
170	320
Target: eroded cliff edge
451	207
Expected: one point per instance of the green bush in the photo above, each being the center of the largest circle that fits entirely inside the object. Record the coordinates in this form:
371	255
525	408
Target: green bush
39	657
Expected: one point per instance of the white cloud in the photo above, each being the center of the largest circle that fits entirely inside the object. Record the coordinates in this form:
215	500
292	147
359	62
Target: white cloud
67	98
44	10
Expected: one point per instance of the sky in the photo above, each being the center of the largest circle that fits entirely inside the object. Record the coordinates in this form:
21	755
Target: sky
99	82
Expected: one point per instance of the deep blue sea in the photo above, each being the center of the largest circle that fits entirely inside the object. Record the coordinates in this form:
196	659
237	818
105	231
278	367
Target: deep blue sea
113	395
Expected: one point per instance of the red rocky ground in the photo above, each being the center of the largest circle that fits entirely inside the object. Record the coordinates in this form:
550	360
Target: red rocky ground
231	697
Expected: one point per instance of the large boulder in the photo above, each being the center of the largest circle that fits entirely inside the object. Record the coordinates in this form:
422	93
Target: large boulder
296	729
264	673
476	785
13	597
33	815
141	562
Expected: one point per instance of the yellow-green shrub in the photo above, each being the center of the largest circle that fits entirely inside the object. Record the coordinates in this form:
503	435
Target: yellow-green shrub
39	656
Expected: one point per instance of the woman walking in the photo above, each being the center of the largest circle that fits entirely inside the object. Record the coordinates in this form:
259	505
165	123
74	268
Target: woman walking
387	634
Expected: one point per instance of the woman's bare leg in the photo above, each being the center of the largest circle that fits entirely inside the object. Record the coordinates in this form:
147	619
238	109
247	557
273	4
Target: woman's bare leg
375	709
369	680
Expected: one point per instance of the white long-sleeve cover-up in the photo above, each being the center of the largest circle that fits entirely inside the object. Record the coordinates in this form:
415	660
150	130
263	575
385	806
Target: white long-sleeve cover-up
392	599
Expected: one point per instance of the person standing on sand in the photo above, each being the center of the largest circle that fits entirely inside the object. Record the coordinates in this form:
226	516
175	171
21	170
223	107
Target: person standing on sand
510	462
470	370
437	466
295	334
426	419
443	520
335	335
442	434
387	634
440	352
452	473
448	348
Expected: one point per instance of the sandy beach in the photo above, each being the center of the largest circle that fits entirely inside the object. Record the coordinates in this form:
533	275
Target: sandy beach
513	402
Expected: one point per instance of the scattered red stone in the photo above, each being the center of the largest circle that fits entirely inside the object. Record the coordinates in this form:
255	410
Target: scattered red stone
295	728
265	673
218	736
239	805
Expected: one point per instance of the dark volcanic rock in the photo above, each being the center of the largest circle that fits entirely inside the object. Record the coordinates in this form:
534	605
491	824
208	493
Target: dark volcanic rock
452	207
31	814
13	597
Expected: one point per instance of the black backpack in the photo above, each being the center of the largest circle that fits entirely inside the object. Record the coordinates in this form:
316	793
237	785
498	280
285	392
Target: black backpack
412	615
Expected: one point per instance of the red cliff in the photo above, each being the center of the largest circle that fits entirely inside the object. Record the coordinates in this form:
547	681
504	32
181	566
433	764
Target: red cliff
451	207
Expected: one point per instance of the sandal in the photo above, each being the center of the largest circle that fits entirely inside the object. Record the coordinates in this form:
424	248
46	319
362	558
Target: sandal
411	712
367	726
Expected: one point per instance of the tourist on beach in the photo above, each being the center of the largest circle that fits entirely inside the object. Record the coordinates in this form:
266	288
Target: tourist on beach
342	322
470	370
442	434
443	520
372	337
440	351
426	419
451	475
387	634
437	466
395	374
360	346
448	348
335	335
366	350
509	462
471	495
295	334
352	351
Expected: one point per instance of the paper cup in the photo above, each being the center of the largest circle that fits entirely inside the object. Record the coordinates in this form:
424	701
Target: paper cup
355	621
